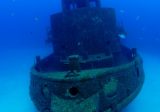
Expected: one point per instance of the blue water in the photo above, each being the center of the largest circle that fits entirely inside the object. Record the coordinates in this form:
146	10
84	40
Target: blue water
23	31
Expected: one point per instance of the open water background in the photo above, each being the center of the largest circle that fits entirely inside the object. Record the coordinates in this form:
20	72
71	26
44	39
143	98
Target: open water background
23	31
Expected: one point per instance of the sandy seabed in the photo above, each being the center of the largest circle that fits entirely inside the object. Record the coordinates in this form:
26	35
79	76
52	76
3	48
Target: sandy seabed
14	82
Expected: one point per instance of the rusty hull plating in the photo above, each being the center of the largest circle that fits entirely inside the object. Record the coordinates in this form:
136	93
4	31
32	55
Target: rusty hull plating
89	70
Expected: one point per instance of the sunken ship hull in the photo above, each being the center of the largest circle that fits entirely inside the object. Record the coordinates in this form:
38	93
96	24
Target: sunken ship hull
89	70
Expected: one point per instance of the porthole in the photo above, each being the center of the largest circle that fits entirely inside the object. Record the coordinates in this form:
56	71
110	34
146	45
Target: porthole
73	91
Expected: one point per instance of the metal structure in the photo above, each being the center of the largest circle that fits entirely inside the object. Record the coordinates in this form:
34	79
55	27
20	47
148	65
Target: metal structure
89	70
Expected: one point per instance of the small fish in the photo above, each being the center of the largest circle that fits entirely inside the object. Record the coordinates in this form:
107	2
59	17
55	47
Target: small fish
122	36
